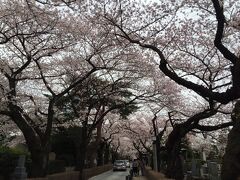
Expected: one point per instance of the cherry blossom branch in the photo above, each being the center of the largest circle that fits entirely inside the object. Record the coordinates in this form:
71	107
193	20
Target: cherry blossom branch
219	34
214	128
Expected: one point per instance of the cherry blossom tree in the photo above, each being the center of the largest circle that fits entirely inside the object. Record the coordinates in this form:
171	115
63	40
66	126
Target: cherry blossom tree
196	46
29	40
196	121
38	46
140	132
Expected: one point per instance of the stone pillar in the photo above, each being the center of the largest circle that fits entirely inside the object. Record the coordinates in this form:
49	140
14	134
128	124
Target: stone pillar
204	156
213	171
195	168
20	170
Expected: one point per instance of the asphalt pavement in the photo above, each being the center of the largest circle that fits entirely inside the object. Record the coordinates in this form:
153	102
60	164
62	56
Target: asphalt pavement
112	175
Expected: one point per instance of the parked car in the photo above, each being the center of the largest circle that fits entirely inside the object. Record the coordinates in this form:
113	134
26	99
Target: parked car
119	165
127	163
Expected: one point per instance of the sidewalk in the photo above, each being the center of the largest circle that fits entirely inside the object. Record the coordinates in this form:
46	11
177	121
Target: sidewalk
140	178
144	178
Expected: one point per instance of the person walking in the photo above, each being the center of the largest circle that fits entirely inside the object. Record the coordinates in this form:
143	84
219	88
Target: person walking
142	167
135	167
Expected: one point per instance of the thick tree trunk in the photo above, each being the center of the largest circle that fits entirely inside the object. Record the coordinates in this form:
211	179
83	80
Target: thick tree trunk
39	163
231	160
174	162
39	154
100	153
36	140
81	151
107	154
158	148
81	157
99	142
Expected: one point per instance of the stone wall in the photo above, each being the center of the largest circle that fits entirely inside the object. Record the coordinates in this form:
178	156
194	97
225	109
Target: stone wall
74	175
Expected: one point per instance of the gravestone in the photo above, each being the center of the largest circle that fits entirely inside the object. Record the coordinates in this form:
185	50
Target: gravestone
20	170
204	172
195	168
204	156
213	171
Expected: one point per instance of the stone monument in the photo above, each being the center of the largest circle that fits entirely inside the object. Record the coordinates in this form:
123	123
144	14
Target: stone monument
20	170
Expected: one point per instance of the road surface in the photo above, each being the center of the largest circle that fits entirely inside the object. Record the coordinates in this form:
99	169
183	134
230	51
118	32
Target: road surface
110	175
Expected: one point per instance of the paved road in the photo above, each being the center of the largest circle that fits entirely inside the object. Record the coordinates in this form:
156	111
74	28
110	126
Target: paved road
110	175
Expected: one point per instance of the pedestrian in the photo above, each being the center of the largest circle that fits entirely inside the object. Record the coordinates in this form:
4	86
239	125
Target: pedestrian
142	167
135	166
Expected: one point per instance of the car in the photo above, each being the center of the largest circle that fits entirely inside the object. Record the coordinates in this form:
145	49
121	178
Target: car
119	165
127	163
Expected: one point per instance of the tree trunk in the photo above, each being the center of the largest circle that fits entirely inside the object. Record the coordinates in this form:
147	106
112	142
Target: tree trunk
81	151
231	159
158	149
174	163
100	153
107	154
39	154
37	141
114	155
81	157
99	143
39	163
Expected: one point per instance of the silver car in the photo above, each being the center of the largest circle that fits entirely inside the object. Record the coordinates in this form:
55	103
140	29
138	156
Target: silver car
127	163
119	165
